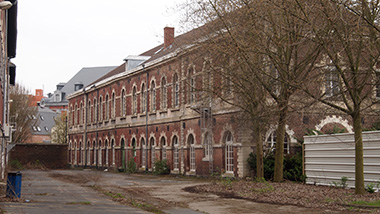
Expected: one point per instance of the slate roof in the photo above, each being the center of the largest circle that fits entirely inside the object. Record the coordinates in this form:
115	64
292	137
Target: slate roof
181	41
86	75
45	121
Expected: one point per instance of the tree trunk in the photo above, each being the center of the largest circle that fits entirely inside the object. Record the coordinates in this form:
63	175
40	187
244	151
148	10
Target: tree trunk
359	165
279	156
259	152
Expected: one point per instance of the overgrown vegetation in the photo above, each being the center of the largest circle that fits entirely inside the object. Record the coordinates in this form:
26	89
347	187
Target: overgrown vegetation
292	166
16	165
131	166
342	184
161	167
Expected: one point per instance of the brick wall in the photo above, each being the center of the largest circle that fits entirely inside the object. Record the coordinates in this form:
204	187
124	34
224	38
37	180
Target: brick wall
52	156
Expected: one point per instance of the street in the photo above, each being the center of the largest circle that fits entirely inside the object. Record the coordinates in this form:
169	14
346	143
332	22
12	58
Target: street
86	191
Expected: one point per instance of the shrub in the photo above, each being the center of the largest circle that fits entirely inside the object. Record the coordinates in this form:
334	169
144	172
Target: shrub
161	167
131	166
292	166
16	165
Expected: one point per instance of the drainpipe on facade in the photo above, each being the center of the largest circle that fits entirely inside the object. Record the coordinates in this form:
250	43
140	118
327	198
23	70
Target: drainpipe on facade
85	126
96	154
146	119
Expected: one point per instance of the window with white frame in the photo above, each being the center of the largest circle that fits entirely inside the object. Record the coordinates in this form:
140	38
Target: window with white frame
175	153
106	151
228	141
176	91
100	161
123	103
88	119
153	96
163	145
271	142
190	143
163	93
143	98
113	106
143	150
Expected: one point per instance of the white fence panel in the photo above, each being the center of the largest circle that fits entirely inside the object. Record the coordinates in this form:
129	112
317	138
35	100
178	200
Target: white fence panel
328	158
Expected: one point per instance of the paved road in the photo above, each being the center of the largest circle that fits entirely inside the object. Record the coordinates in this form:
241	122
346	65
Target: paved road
68	191
48	195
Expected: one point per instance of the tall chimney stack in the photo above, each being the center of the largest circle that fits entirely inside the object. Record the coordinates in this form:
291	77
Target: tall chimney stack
168	36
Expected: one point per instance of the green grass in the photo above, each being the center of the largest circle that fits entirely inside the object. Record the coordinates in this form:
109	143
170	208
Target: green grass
368	203
80	202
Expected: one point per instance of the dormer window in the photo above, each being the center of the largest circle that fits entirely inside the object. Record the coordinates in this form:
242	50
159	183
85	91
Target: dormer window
78	86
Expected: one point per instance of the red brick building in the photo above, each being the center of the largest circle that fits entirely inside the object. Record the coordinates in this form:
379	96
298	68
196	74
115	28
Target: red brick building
147	110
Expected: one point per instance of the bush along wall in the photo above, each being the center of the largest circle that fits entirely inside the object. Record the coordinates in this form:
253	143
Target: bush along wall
292	166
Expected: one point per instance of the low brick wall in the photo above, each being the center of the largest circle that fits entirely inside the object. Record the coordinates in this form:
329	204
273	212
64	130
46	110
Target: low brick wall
51	156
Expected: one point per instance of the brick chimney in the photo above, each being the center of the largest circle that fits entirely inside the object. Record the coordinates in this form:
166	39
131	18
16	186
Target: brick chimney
168	36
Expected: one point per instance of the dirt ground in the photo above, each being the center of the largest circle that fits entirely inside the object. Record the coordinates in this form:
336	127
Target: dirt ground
163	193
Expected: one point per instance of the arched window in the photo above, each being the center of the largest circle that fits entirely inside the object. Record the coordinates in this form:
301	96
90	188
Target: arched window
271	142
207	146
88	119
123	103
153	96
107	108
113	106
164	93
101	109
143	150
95	118
175	153
123	153
134	103
228	141
106	151
190	143
94	151
100	154
134	153
152	151
143	98
163	145
176	90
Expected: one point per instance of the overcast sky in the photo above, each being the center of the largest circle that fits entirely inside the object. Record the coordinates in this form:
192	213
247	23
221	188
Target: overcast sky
57	38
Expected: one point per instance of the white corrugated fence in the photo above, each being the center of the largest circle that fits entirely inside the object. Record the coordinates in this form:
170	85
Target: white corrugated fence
328	158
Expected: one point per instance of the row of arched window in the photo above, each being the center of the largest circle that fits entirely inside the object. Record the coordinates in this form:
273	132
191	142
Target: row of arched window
82	155
104	109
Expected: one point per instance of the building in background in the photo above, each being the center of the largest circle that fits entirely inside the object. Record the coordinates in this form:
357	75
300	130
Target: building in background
57	101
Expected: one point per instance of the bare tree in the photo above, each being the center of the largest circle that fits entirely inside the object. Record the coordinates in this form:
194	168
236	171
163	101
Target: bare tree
271	45
22	113
348	34
59	131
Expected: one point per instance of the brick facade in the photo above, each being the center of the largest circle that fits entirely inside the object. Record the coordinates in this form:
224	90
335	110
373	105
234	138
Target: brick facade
108	124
